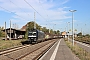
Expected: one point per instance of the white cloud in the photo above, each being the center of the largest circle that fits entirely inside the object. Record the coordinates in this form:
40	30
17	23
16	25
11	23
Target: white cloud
65	1
26	13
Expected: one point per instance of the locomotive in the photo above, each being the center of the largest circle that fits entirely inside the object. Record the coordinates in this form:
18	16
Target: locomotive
36	36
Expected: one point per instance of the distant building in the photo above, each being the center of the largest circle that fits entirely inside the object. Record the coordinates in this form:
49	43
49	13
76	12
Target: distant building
15	34
63	33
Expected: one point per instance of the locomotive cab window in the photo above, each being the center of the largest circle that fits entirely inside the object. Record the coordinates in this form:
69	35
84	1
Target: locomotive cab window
32	33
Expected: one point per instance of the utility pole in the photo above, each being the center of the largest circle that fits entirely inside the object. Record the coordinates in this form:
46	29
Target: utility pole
49	29
68	30
34	21
5	32
13	26
81	31
10	29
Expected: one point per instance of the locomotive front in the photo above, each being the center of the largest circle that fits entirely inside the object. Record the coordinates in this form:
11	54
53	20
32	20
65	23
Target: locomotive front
32	35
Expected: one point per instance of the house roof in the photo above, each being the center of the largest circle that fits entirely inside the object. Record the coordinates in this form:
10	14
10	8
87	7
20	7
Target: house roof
13	29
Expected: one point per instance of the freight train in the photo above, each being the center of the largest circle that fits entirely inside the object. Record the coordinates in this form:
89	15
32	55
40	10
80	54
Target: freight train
36	36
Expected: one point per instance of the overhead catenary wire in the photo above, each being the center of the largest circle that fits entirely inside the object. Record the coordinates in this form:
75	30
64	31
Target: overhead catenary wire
12	12
47	20
34	9
41	5
43	9
18	7
6	9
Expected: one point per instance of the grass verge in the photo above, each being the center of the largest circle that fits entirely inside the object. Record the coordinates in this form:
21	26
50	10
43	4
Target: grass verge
80	52
4	44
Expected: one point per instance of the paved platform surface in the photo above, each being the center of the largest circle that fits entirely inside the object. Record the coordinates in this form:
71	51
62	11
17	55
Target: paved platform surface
60	51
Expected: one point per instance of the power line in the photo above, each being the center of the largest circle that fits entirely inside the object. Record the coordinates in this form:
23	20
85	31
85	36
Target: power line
12	12
18	6
45	12
43	8
34	9
6	9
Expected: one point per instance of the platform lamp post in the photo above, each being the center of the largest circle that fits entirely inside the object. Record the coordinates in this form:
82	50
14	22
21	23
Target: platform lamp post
72	26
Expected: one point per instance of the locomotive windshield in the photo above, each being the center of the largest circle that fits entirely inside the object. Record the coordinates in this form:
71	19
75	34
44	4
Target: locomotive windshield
32	33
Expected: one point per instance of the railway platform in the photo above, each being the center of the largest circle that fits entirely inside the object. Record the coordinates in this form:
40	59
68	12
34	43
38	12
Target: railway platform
59	51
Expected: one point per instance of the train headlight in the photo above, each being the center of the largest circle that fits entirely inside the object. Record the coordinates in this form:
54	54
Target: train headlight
31	38
34	39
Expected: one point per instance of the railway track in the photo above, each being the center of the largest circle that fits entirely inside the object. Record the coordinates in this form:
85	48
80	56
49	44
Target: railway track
13	49
29	50
36	54
82	45
4	53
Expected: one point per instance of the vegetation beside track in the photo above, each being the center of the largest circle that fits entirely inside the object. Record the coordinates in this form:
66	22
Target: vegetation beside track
83	39
4	44
80	53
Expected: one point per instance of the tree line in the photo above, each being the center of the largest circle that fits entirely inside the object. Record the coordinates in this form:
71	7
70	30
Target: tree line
30	25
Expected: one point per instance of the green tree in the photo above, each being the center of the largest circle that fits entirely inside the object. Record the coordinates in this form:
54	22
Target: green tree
87	35
79	34
44	29
58	32
2	34
29	26
39	27
55	32
51	31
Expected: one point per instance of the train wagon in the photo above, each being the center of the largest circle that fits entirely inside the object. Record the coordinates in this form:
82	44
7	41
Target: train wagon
36	36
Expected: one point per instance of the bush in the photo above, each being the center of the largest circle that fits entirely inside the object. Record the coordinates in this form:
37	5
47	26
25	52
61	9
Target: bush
4	44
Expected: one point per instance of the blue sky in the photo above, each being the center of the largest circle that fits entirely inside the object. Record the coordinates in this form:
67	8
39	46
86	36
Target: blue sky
48	13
